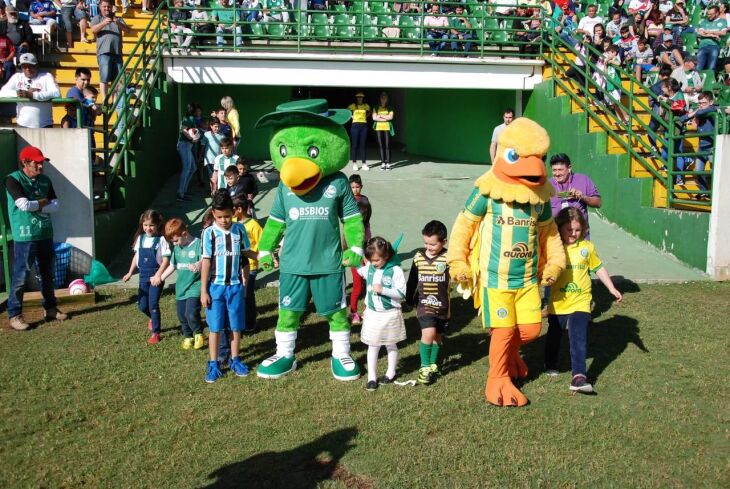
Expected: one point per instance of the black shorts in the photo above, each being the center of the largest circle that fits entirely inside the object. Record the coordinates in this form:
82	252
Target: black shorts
441	325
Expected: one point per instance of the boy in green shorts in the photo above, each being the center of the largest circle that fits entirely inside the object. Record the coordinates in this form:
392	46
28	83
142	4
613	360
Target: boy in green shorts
428	288
186	259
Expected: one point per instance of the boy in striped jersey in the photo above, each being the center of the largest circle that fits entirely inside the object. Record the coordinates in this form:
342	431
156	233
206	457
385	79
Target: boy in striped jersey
428	289
223	274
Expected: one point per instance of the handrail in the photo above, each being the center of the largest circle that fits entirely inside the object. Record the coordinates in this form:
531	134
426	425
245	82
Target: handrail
54	101
669	140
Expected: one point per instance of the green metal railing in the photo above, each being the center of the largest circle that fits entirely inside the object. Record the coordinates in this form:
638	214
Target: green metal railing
375	28
54	101
669	132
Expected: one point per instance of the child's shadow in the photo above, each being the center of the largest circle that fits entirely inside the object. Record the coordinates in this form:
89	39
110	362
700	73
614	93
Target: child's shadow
608	339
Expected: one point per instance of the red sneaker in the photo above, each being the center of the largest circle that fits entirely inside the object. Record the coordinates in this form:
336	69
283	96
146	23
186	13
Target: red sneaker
149	325
154	339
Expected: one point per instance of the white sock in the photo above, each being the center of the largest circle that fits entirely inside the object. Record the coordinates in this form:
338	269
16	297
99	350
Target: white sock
340	343
392	360
373	362
285	342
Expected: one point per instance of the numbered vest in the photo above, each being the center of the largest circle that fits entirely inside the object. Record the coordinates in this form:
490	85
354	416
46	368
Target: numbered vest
30	226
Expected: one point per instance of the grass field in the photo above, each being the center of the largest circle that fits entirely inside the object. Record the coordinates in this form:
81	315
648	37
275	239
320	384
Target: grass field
89	404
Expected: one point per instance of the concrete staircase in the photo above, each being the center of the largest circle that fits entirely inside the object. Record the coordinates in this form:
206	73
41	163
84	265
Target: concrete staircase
595	123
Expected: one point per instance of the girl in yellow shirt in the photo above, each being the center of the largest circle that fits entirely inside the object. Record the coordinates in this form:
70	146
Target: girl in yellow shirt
570	298
359	130
383	124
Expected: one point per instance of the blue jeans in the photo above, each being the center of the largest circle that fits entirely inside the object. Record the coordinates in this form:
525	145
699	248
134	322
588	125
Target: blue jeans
707	57
358	138
25	253
701	165
436	46
237	35
188	313
464	44
577	326
185	150
148	300
8	70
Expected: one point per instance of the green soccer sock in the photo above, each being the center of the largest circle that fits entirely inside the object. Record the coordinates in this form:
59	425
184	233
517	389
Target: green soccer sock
435	348
425	351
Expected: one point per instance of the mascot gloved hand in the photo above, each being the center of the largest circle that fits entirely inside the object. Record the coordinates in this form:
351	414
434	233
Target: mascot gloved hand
309	147
503	242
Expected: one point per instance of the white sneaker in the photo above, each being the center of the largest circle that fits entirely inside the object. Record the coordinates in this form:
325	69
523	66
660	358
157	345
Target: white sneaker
365	168
552	373
354	167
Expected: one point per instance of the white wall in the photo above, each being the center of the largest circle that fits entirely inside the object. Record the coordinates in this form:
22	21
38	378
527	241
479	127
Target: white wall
718	243
70	172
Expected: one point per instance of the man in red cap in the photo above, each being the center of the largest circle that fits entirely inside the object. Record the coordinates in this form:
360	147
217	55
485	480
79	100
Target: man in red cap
31	199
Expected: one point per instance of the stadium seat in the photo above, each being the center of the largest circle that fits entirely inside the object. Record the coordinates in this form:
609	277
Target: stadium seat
500	37
342	30
340	8
302	26
409	30
320	28
257	30
370	32
276	30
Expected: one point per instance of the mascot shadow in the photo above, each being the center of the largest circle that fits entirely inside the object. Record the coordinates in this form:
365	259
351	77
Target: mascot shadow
303	467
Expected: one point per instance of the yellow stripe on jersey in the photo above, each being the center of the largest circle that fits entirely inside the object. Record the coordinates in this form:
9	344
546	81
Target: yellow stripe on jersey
572	291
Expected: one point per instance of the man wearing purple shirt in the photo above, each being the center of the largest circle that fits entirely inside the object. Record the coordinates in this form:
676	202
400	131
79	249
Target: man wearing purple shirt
572	189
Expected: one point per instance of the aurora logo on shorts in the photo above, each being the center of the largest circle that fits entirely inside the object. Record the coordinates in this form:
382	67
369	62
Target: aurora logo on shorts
309	212
571	288
519	250
501	313
286	300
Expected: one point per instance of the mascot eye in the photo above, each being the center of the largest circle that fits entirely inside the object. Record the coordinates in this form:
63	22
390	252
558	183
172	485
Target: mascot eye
282	151
511	156
313	151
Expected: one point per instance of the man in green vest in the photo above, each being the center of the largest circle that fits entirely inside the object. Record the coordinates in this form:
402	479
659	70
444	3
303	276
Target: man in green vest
31	199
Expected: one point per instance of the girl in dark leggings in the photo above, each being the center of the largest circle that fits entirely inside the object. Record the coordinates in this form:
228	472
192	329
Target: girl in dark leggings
383	125
359	130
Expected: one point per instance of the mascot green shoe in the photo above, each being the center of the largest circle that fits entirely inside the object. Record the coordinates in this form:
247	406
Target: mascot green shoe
309	147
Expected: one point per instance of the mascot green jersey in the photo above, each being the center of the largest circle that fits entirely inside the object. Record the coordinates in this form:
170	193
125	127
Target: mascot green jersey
309	146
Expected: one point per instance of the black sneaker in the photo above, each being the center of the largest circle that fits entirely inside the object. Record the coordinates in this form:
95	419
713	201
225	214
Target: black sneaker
386	380
371	385
580	384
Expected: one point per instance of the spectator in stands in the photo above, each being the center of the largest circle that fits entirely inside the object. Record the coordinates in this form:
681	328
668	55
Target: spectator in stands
508	116
436	26
673	97
620	7
185	140
275	11
19	32
199	20
70	120
669	53
92	108
626	41
505	8
82	79
613	28
179	18
7	54
689	80
251	10
572	189
704	119
318	5
636	24
225	15
643	58
578	71
639	6
521	28
599	35
31	198
461	30
568	8
678	18
70	11
43	12
654	22
38	87
108	30
724	12
586	24
608	80
233	120
710	31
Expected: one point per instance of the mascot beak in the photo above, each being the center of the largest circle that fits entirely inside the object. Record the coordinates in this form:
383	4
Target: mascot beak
300	174
527	170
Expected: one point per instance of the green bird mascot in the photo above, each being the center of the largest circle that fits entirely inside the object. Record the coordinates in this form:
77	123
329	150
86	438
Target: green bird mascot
309	146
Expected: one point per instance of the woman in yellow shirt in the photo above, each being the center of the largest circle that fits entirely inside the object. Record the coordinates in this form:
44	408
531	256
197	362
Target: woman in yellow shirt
359	130
570	298
233	121
383	125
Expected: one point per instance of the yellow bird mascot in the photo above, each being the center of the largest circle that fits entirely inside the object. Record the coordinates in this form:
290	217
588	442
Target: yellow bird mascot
502	242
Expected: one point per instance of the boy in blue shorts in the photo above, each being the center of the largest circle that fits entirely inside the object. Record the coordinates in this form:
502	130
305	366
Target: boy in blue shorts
222	291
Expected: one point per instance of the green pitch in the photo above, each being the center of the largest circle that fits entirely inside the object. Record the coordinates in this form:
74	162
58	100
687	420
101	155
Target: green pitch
88	403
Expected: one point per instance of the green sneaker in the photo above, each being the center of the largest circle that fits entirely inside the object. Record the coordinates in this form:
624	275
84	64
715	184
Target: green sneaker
425	375
345	368
276	367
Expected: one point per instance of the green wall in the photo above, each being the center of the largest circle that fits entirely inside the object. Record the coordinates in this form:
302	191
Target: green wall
454	124
252	102
152	163
626	201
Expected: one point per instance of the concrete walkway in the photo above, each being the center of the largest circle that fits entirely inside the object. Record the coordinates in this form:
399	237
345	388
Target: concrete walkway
418	190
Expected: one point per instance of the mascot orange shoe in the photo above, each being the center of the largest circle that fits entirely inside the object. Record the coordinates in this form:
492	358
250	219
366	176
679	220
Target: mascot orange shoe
502	243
